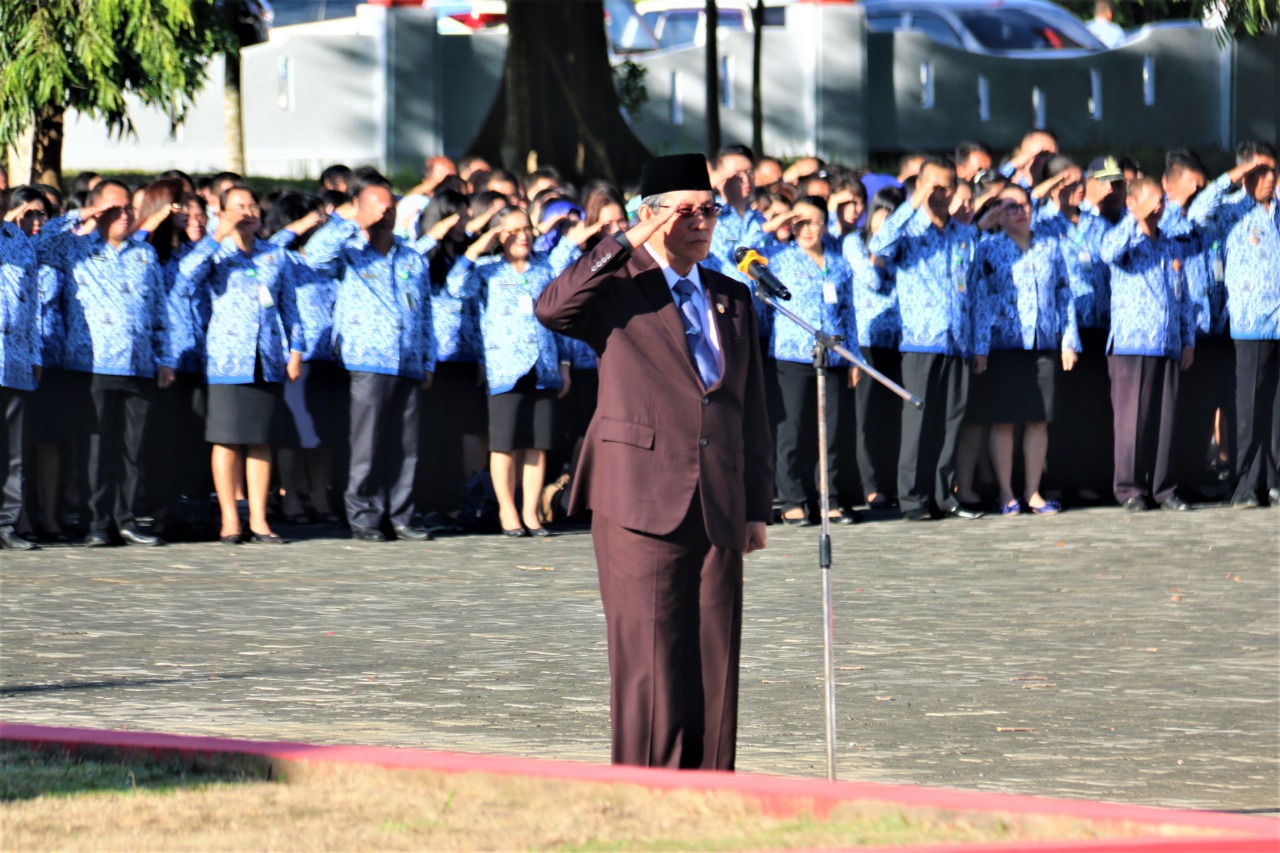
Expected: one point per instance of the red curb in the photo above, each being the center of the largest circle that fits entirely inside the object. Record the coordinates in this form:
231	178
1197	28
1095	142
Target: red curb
778	795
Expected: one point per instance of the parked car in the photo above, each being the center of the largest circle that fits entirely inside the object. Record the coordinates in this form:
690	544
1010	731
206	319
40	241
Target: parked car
1003	27
628	33
681	23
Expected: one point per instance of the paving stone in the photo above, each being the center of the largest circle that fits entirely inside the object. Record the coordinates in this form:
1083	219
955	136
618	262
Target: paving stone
1094	654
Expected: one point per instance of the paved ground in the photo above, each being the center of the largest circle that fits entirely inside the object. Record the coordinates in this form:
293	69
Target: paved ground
1133	658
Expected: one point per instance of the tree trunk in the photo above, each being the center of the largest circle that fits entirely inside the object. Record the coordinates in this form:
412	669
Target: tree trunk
713	78
556	104
46	148
757	79
232	120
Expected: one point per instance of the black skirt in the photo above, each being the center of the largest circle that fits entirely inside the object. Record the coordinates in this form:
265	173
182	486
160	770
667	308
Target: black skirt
522	418
244	414
49	415
1017	388
456	387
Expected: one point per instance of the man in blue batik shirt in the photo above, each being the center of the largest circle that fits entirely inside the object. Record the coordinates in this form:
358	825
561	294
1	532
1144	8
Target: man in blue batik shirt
20	362
383	336
932	253
1152	340
1246	223
114	308
1209	386
739	224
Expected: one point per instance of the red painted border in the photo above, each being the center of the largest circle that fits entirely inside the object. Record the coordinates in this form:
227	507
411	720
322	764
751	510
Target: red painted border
780	794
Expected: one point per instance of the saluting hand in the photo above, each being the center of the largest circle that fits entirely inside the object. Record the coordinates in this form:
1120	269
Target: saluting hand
581	232
22	210
484	243
642	231
442	228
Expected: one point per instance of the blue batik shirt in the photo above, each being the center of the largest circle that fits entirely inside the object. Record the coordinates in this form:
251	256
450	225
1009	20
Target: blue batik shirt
382	319
1150	312
932	276
253	309
875	297
1081	245
582	356
113	301
1022	300
52	330
731	231
514	341
456	321
1205	270
1249	234
20	338
821	296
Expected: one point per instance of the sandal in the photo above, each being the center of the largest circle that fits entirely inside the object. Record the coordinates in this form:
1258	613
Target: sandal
1012	508
1046	508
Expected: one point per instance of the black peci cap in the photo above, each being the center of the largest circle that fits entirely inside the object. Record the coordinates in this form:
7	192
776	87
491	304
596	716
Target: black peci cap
674	173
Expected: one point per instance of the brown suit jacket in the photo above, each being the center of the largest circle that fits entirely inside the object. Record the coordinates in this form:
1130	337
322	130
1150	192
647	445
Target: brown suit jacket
657	434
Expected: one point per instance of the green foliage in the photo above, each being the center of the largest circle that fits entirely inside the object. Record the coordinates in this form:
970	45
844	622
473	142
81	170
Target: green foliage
1240	17
88	54
628	79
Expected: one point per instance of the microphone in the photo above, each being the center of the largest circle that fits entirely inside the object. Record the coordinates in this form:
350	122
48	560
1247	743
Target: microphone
753	264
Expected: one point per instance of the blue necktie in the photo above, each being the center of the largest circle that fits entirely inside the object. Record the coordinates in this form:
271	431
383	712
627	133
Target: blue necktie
704	355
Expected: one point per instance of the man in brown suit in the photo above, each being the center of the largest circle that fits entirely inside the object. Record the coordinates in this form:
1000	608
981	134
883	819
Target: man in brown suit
677	467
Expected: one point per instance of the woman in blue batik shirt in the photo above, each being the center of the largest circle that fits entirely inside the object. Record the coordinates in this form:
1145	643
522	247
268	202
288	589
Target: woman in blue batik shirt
314	416
253	321
177	469
526	365
47	420
875	309
458	408
1024	324
821	284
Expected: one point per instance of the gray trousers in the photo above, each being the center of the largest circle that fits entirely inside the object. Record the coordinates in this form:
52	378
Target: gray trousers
384	450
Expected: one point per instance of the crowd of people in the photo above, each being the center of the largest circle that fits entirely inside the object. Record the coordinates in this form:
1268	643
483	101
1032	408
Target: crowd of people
1080	333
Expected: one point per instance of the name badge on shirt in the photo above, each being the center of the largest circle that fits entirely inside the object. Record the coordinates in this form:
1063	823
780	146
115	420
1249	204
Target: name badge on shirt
1086	260
409	301
829	293
525	303
264	296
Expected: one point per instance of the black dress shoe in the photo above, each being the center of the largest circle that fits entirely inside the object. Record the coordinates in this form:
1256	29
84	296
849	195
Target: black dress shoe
1274	495
133	536
1137	503
368	534
11	541
233	539
1246	502
96	539
413	534
916	515
518	532
540	533
266	539
966	511
1176	504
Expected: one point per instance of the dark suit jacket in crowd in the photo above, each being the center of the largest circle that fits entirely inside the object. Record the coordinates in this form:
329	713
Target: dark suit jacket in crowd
658	435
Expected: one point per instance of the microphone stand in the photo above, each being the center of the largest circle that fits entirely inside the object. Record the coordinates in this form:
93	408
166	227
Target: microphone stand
824	345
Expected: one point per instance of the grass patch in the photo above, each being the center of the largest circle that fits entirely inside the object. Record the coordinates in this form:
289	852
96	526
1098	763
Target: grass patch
136	802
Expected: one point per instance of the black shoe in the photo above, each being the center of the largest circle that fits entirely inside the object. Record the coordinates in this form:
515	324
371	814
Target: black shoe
966	511
1176	504
133	536
233	539
413	534
266	538
916	515
1137	503
1246	502
540	533
1274	495
518	532
96	539
11	541
368	534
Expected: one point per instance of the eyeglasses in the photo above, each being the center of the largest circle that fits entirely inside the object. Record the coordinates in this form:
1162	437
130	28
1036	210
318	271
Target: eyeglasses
801	224
709	210
245	208
1011	206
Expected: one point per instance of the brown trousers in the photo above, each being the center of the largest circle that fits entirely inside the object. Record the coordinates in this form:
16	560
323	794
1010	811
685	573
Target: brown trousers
673	609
